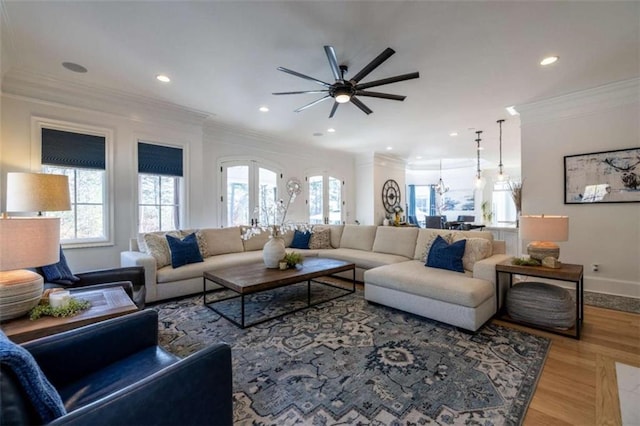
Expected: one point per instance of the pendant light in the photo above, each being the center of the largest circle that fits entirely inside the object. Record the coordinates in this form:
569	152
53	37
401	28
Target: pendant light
501	176
479	182
440	187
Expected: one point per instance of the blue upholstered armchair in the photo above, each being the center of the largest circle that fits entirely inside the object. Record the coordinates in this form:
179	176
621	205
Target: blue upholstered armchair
114	373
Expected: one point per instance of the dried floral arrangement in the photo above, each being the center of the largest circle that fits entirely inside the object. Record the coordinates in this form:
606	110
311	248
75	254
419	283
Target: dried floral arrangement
516	194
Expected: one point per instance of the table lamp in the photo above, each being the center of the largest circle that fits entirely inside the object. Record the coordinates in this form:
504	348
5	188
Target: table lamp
27	242
544	231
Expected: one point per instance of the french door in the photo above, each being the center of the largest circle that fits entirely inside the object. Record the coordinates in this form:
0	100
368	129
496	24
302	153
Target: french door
325	199
247	186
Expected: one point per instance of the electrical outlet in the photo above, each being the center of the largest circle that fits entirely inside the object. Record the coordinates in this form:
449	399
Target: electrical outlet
595	267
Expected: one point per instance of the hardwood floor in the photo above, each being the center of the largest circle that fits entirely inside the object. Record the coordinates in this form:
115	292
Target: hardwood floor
578	384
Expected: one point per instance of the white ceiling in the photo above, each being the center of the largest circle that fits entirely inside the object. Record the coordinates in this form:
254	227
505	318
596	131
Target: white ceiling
474	59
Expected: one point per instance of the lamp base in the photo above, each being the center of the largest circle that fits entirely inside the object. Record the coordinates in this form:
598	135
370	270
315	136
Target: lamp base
20	291
541	249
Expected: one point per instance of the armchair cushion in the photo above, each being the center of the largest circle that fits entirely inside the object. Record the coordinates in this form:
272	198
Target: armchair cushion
24	372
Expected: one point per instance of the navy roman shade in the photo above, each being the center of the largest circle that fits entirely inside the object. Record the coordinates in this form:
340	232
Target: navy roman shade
68	149
159	160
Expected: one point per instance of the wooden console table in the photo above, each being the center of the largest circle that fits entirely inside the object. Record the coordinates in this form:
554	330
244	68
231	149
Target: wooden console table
567	272
105	303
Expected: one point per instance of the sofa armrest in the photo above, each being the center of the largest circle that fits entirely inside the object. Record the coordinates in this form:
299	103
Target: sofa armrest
68	356
136	258
195	390
486	269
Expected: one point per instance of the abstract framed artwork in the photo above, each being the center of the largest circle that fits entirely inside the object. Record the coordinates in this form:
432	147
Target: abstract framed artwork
602	177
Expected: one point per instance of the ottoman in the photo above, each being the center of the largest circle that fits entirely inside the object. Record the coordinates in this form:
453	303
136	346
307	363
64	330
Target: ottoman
541	304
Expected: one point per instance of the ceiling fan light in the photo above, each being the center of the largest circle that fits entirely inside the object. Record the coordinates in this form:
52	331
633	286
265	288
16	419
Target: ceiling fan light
343	98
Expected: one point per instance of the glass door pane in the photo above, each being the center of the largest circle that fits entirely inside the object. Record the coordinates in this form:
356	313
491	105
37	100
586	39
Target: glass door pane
238	207
335	201
316	213
267	200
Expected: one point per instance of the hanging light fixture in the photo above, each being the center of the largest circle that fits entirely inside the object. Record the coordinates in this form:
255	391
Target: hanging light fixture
440	187
479	180
501	175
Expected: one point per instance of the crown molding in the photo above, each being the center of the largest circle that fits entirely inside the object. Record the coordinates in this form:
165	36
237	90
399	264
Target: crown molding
115	102
581	103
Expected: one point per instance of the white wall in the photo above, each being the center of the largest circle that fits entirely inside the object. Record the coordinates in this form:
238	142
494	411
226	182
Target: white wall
131	122
601	119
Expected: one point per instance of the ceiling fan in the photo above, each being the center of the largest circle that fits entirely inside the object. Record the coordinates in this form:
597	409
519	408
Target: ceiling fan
343	91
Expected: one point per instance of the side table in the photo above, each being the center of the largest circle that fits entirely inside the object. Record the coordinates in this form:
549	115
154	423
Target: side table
105	303
567	272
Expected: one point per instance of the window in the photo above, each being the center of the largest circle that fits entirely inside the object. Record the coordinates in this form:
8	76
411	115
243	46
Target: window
325	199
82	156
247	184
503	207
422	203
159	187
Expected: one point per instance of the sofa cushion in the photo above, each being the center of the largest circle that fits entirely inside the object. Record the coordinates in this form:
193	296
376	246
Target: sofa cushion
426	237
476	249
358	237
446	256
184	251
362	259
256	242
413	277
392	240
300	239
320	239
193	270
223	240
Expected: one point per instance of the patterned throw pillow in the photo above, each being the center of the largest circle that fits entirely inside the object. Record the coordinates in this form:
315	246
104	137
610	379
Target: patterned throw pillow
158	247
476	249
320	239
184	251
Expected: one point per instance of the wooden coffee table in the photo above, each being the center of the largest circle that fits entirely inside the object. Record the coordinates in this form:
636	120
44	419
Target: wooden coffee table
105	303
256	277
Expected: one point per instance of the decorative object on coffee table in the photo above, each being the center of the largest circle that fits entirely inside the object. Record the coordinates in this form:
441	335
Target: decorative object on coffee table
541	304
543	231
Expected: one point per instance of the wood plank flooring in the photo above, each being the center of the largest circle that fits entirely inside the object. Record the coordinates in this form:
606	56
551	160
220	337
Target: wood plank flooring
578	384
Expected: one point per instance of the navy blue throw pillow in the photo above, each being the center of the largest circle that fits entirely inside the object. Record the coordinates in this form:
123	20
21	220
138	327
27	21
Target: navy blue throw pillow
59	273
446	256
301	239
184	251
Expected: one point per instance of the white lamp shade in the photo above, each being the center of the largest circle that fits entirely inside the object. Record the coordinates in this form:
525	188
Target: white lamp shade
29	242
37	192
544	228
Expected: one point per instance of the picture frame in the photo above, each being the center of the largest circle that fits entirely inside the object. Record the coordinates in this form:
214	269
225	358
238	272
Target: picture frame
602	177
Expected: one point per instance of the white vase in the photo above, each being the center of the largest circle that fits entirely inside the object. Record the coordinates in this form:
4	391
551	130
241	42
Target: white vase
273	251
385	222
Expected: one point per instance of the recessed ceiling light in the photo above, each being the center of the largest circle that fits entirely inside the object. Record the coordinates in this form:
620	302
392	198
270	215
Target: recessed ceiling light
331	130
264	108
71	66
549	60
163	78
419	157
512	110
389	148
453	134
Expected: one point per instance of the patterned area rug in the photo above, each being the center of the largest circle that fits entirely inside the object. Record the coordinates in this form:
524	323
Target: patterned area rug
349	362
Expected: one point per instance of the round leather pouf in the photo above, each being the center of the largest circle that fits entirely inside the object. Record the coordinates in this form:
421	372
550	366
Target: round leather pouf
541	304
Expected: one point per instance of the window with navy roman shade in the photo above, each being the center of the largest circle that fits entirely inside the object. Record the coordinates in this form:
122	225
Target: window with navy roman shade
69	149
159	160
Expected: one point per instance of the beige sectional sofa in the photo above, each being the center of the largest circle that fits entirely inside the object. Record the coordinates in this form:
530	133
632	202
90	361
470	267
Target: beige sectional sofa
389	260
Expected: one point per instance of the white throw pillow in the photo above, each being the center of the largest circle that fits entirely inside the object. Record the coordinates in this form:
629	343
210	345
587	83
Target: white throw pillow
476	249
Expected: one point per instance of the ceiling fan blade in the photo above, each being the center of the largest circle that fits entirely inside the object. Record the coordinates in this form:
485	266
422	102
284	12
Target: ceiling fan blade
380	95
360	105
388	80
334	108
312	103
373	64
299	93
306	77
333	62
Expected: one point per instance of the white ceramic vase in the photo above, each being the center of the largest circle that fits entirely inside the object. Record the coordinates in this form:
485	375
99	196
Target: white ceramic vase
273	251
